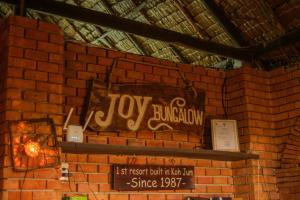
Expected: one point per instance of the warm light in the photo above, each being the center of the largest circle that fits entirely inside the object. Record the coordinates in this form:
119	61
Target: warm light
32	149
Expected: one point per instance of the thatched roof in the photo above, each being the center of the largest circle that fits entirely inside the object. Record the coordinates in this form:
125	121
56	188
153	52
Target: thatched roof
255	22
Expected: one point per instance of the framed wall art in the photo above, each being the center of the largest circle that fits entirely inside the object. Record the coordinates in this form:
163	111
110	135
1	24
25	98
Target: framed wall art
224	135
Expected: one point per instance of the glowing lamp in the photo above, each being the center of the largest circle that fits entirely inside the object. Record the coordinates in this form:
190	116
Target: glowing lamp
32	149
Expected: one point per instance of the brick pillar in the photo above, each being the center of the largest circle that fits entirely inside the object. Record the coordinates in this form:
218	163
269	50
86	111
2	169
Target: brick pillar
33	88
250	102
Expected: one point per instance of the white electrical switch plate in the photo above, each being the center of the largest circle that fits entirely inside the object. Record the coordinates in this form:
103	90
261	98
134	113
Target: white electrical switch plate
64	168
74	133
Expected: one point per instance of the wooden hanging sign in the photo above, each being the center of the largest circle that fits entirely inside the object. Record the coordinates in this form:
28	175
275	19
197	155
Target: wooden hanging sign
154	107
147	177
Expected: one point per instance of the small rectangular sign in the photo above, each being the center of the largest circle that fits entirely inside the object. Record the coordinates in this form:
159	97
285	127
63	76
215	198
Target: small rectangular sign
152	107
152	177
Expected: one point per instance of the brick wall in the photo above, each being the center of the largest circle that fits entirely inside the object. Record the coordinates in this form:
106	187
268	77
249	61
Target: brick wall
45	77
33	88
92	172
285	93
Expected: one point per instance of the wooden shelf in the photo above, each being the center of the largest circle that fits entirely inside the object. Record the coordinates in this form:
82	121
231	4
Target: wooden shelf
85	148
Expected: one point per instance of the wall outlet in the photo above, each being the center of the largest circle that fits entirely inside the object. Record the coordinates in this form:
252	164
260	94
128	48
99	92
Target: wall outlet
64	168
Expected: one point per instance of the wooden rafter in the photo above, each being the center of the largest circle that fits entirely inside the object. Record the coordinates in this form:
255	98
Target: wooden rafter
221	17
142	29
101	19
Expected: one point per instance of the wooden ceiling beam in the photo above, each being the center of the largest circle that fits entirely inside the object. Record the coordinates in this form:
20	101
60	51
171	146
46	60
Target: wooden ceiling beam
220	15
134	27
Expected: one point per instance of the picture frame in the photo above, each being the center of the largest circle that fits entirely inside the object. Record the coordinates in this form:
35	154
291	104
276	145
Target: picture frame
225	135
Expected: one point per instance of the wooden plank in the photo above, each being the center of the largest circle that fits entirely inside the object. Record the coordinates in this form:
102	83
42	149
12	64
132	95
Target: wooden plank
154	107
134	27
84	148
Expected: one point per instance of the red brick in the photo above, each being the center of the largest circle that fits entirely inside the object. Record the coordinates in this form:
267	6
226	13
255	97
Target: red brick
98	178
36	35
213	189
34	184
15	72
48	67
49	87
19	83
78	101
76	47
36	55
144	68
135	57
45	195
115	54
56	78
88	168
154	143
53	184
13	195
96	68
76	66
152	78
151	60
76	83
58	39
117	140
56	58
50	47
145	135
96	51
86	75
125	65
204	180
204	163
35	96
22	62
12	115
56	98
48	108
138	196
117	159
13	94
87	187
87	58
169	81
16	31
22	21
135	75
69	55
10	184
45	173
45	26
220	180
160	71
35	75
105	61
21	42
95	158
15	51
